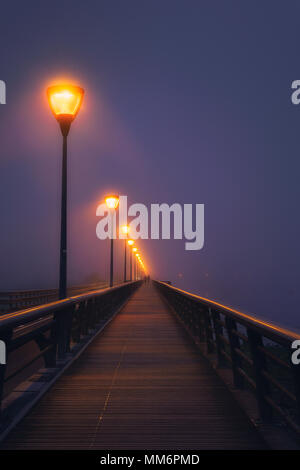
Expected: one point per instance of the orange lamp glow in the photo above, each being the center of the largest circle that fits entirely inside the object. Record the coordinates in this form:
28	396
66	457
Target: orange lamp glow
130	242
134	249
112	202
125	229
65	100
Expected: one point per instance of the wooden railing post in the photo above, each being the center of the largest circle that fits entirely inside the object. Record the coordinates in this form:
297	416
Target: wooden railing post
85	317
68	327
200	324
208	332
259	364
296	380
218	332
62	331
234	343
93	313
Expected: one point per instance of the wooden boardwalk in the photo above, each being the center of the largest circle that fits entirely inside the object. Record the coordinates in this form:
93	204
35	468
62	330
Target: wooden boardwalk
141	384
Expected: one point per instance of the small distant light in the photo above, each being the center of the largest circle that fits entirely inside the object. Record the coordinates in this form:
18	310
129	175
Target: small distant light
125	229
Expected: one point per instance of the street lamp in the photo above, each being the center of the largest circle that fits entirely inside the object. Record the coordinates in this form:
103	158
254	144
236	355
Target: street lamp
65	102
130	243
125	230
112	203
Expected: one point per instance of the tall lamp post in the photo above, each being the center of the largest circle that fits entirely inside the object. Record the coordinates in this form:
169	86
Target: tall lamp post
134	268
112	203
137	266
130	243
138	261
143	270
65	102
125	230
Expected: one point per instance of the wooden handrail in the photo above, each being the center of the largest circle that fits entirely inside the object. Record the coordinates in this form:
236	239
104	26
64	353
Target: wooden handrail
258	352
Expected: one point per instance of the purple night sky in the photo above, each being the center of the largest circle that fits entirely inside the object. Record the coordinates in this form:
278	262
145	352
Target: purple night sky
187	102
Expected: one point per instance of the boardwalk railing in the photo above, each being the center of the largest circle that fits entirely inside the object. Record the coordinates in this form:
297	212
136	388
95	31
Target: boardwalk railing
258	352
56	327
11	301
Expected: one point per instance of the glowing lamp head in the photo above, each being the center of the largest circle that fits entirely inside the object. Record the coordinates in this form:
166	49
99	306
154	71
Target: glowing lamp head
134	249
130	242
65	100
112	202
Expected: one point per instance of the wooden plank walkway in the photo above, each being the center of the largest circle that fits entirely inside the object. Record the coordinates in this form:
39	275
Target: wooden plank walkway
141	384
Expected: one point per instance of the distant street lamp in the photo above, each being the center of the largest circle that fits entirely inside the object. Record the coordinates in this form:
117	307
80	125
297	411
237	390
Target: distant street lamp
112	203
65	102
130	243
125	230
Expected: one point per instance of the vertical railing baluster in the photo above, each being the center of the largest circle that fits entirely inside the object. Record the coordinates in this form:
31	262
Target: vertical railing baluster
218	332
62	328
259	364
69	323
59	333
94	313
234	344
198	323
201	323
208	332
296	381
